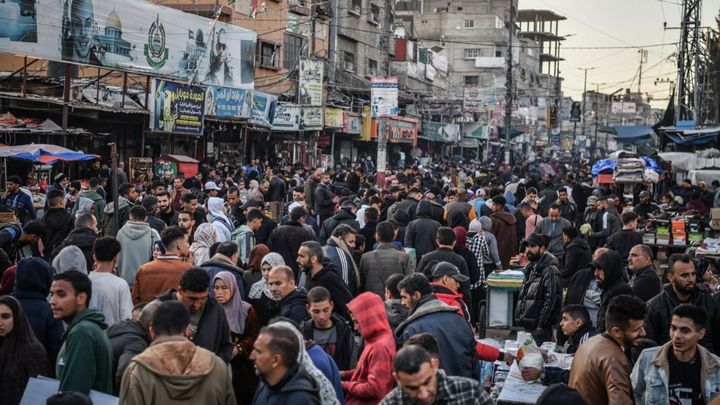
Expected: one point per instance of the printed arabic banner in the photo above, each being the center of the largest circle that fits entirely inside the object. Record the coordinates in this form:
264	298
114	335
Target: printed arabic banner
310	85
131	35
384	96
177	108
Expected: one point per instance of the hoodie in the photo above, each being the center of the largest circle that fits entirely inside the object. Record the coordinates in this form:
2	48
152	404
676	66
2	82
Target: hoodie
85	359
87	199
109	213
420	233
372	379
128	338
57	223
613	283
137	240
293	306
70	258
174	370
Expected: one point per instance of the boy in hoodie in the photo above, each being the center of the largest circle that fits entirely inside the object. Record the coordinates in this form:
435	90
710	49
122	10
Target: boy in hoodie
609	276
244	235
92	200
127	198
173	369
57	222
137	240
85	359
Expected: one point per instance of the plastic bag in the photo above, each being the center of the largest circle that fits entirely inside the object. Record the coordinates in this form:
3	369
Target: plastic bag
529	355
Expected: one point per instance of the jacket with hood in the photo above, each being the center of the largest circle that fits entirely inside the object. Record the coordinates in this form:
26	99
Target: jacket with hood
57	223
403	220
613	284
330	278
443	254
296	387
657	323
344	263
137	240
408	206
32	286
503	227
94	198
458	356
128	338
219	263
378	265
452	298
344	350
420	233
372	379
396	312
540	299
175	371
83	238
293	306
286	240
577	256
324	204
244	237
343	216
213	330
84	362
109	213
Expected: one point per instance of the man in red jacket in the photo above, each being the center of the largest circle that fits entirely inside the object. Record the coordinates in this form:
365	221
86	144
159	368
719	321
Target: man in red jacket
446	279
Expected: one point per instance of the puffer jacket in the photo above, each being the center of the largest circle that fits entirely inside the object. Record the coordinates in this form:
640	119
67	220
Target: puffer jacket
540	298
420	233
343	216
613	284
372	379
577	257
657	323
650	376
378	265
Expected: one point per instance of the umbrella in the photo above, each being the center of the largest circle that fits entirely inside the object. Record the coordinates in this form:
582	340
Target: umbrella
44	153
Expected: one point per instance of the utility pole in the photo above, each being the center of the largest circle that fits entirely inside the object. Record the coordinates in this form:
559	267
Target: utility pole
643	59
384	122
584	96
509	81
332	45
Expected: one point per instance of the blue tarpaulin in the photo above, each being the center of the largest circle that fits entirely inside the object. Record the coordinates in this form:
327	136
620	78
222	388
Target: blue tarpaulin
633	133
43	153
609	164
677	137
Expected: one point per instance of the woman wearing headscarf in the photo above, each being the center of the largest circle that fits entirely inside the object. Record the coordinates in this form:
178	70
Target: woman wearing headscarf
461	248
21	354
204	238
319	365
253	274
259	296
216	216
244	330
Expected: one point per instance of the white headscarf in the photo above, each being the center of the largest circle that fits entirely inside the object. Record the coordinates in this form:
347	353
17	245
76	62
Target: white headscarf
203	238
261	286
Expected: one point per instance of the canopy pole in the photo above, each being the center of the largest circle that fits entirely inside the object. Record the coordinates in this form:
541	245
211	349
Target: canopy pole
114	168
97	88
66	100
125	75
24	78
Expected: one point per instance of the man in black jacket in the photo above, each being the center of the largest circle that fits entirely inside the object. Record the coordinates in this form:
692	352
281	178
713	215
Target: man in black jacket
420	233
577	255
608	274
208	324
623	240
83	236
539	303
682	289
409	205
328	330
57	222
345	215
291	300
310	259
286	239
324	199
644	279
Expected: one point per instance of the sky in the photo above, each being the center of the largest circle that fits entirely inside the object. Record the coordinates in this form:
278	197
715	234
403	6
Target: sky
619	23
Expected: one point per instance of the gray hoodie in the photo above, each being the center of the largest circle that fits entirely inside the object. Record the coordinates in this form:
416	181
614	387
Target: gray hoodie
70	258
137	240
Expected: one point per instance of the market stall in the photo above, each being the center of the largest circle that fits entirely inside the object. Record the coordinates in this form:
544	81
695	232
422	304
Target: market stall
177	164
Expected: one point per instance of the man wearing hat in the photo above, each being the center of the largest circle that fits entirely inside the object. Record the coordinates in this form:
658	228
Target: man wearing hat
540	300
446	279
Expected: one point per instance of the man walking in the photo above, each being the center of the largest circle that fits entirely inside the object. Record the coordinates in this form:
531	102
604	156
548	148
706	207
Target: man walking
138	239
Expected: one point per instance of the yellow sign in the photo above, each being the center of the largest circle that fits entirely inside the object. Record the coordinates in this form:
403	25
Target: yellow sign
367	125
333	117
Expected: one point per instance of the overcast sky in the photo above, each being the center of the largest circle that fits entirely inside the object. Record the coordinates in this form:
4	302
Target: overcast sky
619	23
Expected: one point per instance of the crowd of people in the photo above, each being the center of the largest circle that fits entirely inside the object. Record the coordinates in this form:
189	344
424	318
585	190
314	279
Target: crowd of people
270	284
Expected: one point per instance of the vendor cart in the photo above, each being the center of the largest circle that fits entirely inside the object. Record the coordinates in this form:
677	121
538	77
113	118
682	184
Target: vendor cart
498	309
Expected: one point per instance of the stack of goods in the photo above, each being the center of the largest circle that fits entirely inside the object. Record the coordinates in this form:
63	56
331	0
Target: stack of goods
679	237
662	232
629	171
508	279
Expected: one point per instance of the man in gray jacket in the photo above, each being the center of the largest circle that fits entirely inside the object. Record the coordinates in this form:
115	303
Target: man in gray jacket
137	240
376	266
553	227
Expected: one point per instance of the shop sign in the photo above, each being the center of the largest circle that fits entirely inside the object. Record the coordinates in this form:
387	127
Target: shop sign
441	132
620	107
177	108
311	118
228	102
139	164
352	123
333	117
310	83
470	142
479	99
475	130
399	129
263	109
287	117
368	125
131	35
384	96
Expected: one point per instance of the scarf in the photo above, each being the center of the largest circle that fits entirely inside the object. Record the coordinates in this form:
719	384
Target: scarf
237	309
342	246
261	287
203	238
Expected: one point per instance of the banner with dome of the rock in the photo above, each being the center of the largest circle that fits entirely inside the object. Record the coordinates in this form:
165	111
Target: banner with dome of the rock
130	35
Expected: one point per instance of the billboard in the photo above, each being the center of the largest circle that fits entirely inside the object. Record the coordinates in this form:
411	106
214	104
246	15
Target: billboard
333	117
177	108
619	107
263	109
310	83
479	99
441	132
311	118
287	117
228	102
130	35
384	96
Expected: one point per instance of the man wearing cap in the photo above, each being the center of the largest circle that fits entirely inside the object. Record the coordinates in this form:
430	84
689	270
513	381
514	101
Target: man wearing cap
645	206
446	279
212	189
540	300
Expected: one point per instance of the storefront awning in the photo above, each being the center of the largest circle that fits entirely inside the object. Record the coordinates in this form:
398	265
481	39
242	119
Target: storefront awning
633	134
691	136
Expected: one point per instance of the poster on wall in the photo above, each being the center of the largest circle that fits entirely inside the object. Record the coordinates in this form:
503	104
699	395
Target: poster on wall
131	35
228	102
384	96
479	99
177	108
333	117
263	109
310	83
287	117
311	118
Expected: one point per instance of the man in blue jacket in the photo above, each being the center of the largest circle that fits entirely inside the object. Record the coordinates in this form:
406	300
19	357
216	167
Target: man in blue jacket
18	200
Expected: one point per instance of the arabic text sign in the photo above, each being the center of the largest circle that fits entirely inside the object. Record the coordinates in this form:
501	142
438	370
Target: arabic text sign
177	108
384	95
310	86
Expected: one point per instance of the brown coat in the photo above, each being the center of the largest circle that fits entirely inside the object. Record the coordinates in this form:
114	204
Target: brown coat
156	277
600	373
504	229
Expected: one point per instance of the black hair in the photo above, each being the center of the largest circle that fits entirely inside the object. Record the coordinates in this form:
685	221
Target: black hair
499	200
21	342
68	398
171	318
149	202
76	184
410	358
416	282
106	248
697	314
531	190
427	342
195	280
227	248
314	249
359	241
343	230
374	200
233	189
253	215
124	189
554	206
678	257
640	345
80	281
318	294
627	217
186	198
171	234
371	214
213	249
571	232
93	182
524	206
14	179
284	342
163	193
577	311
385	232
445	236
156	184
560	394
622	309
392	284
298	213
138	212
55	194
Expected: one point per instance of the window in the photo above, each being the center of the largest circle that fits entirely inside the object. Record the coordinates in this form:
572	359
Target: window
374	13
294	49
469	23
498	53
372	69
356	6
269	55
349	61
473	53
472	80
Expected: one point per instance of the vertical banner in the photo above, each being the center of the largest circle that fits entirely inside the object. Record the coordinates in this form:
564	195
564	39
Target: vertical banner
177	108
384	96
310	84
